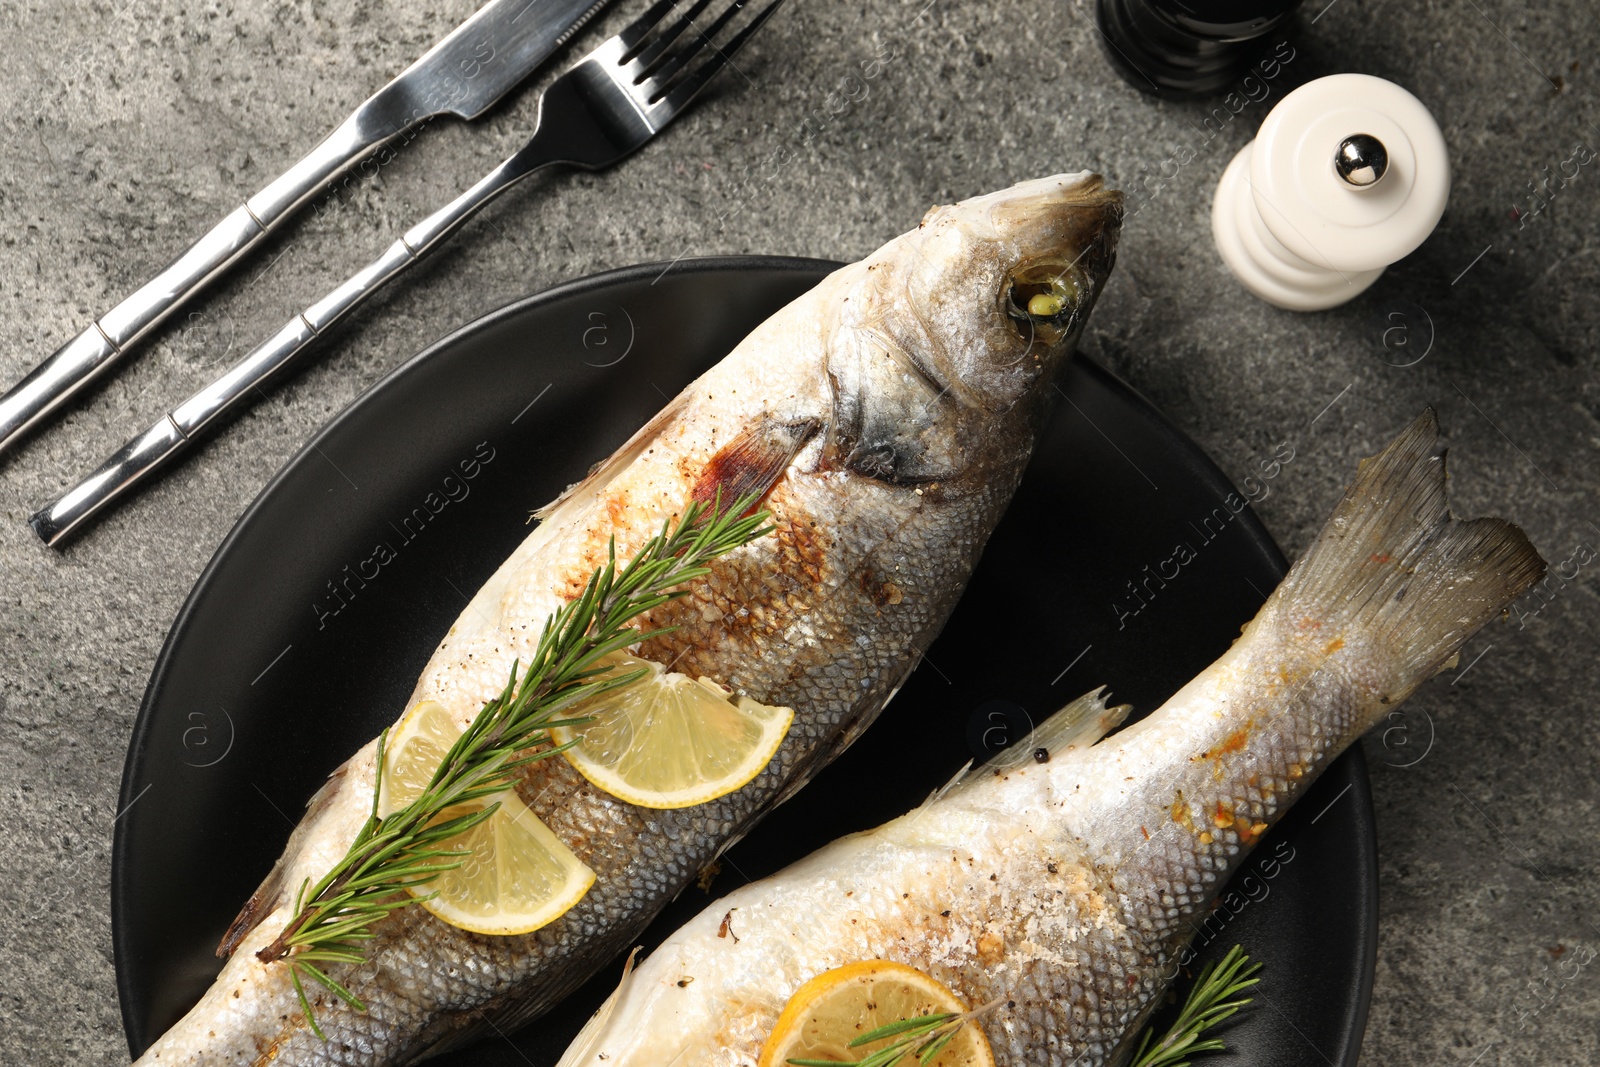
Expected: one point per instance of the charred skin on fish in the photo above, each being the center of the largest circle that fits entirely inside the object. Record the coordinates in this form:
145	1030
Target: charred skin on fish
1070	890
887	416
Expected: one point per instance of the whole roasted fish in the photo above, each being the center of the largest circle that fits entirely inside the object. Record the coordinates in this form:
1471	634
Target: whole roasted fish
886	416
1069	891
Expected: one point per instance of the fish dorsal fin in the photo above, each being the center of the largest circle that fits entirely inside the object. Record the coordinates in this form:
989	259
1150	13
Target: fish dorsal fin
1078	725
1075	727
938	794
603	472
583	1045
271	895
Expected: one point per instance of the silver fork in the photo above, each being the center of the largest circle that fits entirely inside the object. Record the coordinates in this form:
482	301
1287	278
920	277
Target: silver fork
601	110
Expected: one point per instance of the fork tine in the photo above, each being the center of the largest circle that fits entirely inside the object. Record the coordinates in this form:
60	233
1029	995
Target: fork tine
684	89
663	75
635	33
652	52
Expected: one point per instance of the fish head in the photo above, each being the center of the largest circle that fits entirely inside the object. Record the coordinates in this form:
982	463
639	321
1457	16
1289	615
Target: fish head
946	348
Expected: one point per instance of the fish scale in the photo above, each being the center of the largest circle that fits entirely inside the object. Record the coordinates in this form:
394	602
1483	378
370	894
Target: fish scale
885	448
1254	750
1067	893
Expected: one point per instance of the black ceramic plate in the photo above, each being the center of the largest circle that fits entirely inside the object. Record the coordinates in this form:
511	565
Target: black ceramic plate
312	622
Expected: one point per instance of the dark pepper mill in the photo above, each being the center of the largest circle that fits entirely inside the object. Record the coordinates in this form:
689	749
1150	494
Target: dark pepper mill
1178	48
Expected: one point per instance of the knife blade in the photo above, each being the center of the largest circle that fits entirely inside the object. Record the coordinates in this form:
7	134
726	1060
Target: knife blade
463	75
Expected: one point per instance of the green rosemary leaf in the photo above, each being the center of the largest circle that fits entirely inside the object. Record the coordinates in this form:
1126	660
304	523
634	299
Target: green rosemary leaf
305	1005
920	1024
393	857
890	1056
1214	998
334	987
936	1046
329	955
923	1036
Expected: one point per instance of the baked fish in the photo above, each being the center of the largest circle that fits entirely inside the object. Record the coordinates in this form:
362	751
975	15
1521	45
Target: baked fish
1068	891
885	418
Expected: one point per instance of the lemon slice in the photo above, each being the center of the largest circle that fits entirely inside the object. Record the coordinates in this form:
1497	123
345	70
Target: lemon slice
670	741
413	753
839	1006
518	876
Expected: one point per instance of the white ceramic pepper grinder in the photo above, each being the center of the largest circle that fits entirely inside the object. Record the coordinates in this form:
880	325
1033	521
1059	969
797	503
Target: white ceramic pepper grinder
1347	174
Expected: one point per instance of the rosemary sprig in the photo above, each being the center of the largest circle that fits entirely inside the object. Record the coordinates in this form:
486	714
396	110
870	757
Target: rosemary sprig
1215	997
405	850
924	1037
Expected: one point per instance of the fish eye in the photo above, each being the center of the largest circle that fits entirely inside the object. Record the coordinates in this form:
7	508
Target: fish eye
1042	303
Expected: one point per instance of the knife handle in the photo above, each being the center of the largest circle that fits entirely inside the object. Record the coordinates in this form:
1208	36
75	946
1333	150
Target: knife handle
91	353
131	463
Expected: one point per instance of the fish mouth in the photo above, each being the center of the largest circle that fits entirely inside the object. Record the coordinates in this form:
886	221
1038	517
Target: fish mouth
1070	221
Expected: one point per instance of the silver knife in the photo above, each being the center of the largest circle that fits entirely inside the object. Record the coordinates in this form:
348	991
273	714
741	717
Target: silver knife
463	75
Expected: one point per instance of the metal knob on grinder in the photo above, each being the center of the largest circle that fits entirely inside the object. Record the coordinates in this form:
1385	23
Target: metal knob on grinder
1361	160
1347	174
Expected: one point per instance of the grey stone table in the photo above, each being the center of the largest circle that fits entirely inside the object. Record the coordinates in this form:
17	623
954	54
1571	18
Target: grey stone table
127	126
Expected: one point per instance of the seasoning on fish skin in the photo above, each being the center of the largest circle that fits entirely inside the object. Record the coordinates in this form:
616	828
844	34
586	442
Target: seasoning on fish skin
1070	891
886	416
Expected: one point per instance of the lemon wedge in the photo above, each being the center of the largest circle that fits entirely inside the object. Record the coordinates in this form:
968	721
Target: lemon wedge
518	876
671	741
836	1007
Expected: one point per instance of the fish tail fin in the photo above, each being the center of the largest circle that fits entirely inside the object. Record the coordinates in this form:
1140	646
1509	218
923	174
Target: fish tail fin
1393	565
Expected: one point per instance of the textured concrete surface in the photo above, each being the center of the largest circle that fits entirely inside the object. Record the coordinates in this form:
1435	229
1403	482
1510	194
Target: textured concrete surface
127	126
